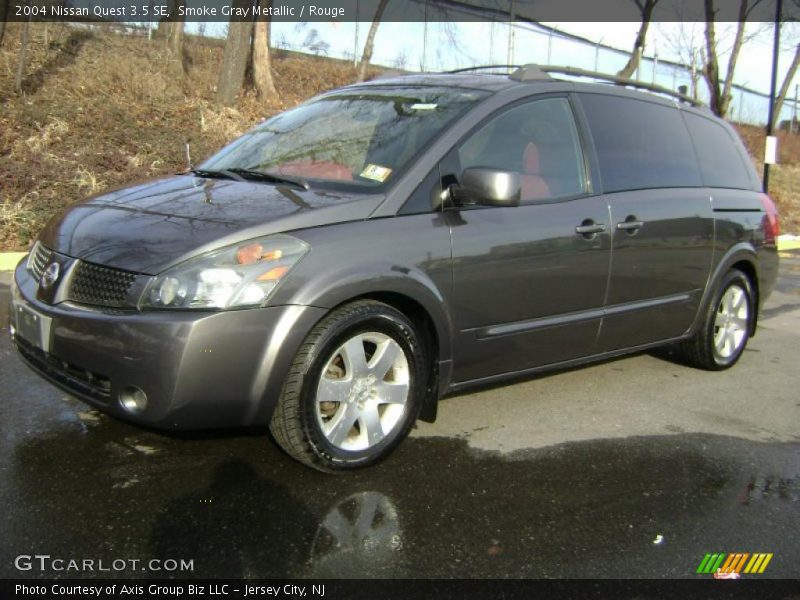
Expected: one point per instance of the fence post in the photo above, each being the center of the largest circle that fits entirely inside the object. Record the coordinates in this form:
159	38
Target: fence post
655	65
355	41
597	55
510	56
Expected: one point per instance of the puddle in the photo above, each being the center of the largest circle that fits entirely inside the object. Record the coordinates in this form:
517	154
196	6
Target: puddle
634	507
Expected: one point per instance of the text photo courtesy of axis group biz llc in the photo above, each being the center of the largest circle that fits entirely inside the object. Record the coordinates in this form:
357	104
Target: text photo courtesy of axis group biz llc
399	298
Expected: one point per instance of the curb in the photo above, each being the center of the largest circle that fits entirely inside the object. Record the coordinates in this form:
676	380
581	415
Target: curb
788	242
9	260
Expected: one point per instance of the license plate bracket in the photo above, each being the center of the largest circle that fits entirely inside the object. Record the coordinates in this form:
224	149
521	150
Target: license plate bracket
32	326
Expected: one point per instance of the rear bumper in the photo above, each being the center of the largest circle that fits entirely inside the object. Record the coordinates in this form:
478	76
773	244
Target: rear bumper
198	370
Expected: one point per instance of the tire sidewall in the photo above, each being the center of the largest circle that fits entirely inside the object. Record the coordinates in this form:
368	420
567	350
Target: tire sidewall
733	277
380	319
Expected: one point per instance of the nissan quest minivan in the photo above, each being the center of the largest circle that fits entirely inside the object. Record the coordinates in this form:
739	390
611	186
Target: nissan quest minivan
342	266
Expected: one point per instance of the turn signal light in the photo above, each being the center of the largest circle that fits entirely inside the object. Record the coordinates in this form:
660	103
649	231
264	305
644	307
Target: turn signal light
273	274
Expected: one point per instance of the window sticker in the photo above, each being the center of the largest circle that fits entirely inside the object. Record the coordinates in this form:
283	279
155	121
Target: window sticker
424	106
376	172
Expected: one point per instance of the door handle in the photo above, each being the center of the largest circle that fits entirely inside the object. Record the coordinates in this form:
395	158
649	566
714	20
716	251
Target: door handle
630	224
589	227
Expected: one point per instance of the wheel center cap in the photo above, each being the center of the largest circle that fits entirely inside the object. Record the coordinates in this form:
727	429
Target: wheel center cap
362	390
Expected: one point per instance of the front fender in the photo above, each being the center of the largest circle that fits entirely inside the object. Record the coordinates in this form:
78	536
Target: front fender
335	287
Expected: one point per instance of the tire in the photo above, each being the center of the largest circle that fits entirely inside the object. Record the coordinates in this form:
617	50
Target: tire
354	390
727	324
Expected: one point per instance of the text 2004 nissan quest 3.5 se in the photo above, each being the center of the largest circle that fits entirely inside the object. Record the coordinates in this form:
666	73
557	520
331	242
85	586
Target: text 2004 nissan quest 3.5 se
340	267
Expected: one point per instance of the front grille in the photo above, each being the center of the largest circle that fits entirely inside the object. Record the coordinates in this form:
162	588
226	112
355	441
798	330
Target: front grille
82	382
40	257
100	286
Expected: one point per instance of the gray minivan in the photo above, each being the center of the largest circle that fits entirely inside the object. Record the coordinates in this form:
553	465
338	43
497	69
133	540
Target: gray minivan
339	268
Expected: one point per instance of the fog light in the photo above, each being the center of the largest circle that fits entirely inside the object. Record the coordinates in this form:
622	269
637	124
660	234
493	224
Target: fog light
133	399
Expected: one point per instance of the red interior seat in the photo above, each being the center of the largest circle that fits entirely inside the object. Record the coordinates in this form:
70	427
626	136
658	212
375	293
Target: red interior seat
534	187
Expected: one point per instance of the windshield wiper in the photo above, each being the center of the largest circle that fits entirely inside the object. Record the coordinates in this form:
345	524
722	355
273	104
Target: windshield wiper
217	174
262	176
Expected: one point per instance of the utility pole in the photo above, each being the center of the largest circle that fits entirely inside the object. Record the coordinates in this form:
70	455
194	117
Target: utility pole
771	146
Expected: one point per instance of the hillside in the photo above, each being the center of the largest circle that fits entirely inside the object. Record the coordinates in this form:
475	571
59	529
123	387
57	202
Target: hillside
102	109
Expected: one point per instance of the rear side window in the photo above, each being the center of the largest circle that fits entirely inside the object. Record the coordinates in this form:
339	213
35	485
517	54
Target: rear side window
640	144
720	162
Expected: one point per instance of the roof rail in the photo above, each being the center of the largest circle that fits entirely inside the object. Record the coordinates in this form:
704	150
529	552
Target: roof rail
481	68
576	72
533	72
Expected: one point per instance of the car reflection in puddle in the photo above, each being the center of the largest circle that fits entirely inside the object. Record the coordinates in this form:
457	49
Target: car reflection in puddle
359	536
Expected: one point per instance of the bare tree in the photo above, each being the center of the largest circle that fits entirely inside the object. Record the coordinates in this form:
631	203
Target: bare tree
23	56
370	43
246	59
646	10
787	82
686	41
3	13
234	61
171	29
262	65
720	90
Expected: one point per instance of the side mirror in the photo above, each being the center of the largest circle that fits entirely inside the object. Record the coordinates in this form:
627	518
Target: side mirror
489	187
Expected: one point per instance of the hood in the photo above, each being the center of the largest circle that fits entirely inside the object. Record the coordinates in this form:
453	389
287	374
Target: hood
148	227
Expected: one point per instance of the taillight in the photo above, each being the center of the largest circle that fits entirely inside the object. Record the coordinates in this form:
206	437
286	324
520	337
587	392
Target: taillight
772	228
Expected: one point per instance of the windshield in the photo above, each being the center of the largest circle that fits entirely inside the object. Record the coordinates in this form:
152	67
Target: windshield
354	141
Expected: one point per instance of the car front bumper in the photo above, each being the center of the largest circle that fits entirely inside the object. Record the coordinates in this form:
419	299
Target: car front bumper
198	370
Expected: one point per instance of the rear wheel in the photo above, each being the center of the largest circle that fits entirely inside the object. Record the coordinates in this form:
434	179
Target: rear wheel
726	327
354	390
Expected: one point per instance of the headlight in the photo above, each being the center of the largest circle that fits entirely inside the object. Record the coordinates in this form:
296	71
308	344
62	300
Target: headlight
236	276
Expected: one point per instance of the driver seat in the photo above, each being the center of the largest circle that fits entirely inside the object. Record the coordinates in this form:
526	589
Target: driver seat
534	187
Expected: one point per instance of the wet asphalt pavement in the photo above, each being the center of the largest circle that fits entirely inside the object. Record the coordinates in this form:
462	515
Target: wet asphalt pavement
576	474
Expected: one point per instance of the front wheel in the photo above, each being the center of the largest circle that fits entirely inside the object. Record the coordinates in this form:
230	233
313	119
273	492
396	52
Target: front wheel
354	390
727	324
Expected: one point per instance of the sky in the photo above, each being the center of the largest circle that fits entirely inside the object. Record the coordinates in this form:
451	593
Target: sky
444	46
406	39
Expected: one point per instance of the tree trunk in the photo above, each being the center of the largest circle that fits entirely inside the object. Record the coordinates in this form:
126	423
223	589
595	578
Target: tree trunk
3	13
711	70
638	46
262	65
727	89
162	29
721	92
172	32
787	82
234	61
368	46
23	57
175	38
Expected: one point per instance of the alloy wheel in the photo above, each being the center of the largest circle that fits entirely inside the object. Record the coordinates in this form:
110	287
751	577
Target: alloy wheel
731	322
363	391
